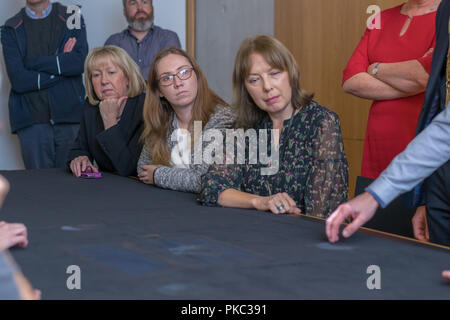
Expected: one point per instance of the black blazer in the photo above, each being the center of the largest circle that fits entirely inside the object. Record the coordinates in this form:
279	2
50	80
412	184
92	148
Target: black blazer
116	149
436	89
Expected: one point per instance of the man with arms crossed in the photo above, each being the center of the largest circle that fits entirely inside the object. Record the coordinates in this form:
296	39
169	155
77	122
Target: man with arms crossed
44	58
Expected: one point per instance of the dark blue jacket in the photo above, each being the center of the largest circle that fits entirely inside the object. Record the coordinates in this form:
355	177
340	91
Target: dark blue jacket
436	92
436	89
60	74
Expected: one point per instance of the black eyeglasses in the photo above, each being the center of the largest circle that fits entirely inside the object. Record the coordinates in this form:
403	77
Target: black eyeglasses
167	79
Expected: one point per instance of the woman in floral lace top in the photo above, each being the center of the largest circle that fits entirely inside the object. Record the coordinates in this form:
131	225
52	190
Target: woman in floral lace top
312	175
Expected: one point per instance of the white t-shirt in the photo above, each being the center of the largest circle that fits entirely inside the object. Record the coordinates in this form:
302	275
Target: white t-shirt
181	152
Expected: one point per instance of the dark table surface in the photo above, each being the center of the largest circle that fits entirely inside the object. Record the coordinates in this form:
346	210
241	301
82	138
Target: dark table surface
133	241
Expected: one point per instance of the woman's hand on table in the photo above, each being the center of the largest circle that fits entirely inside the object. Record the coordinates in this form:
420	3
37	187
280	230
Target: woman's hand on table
12	234
280	203
147	174
81	164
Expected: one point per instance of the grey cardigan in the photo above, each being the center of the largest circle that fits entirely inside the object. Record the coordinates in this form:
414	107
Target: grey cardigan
187	179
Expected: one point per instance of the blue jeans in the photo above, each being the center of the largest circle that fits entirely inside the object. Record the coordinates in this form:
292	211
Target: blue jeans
47	146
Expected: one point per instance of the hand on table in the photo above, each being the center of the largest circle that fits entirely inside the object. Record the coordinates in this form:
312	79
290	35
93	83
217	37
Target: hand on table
12	234
361	209
446	274
278	203
81	164
147	174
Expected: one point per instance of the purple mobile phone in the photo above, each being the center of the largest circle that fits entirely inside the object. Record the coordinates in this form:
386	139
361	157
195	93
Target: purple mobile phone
91	175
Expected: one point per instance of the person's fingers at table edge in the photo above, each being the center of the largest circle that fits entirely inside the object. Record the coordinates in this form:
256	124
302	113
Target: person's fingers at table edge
351	228
334	223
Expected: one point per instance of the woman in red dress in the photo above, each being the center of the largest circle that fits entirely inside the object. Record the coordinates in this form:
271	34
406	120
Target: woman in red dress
391	65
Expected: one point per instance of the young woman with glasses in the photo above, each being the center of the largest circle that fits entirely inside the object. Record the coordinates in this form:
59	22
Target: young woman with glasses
178	100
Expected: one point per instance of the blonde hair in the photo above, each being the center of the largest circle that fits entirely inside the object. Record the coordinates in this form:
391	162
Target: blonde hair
121	59
278	57
158	113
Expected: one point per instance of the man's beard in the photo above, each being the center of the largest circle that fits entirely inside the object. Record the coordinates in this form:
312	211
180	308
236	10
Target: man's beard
142	24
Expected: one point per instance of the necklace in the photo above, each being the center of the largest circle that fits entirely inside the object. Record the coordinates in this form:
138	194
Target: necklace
433	7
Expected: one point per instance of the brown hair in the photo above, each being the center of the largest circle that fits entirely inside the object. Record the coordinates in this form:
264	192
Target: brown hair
158	113
120	58
277	56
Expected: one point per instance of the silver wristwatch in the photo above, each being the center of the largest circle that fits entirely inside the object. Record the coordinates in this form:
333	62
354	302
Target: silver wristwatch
375	69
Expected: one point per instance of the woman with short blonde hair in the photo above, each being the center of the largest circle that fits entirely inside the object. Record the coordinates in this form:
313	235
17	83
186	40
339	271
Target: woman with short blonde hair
112	118
120	58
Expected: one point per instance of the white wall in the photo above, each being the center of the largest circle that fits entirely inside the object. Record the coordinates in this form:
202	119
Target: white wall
216	54
9	145
103	18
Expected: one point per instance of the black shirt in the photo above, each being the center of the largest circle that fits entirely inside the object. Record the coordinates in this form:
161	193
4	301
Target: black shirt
116	149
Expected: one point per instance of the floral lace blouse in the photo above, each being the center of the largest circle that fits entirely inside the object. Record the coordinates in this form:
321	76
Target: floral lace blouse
313	168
